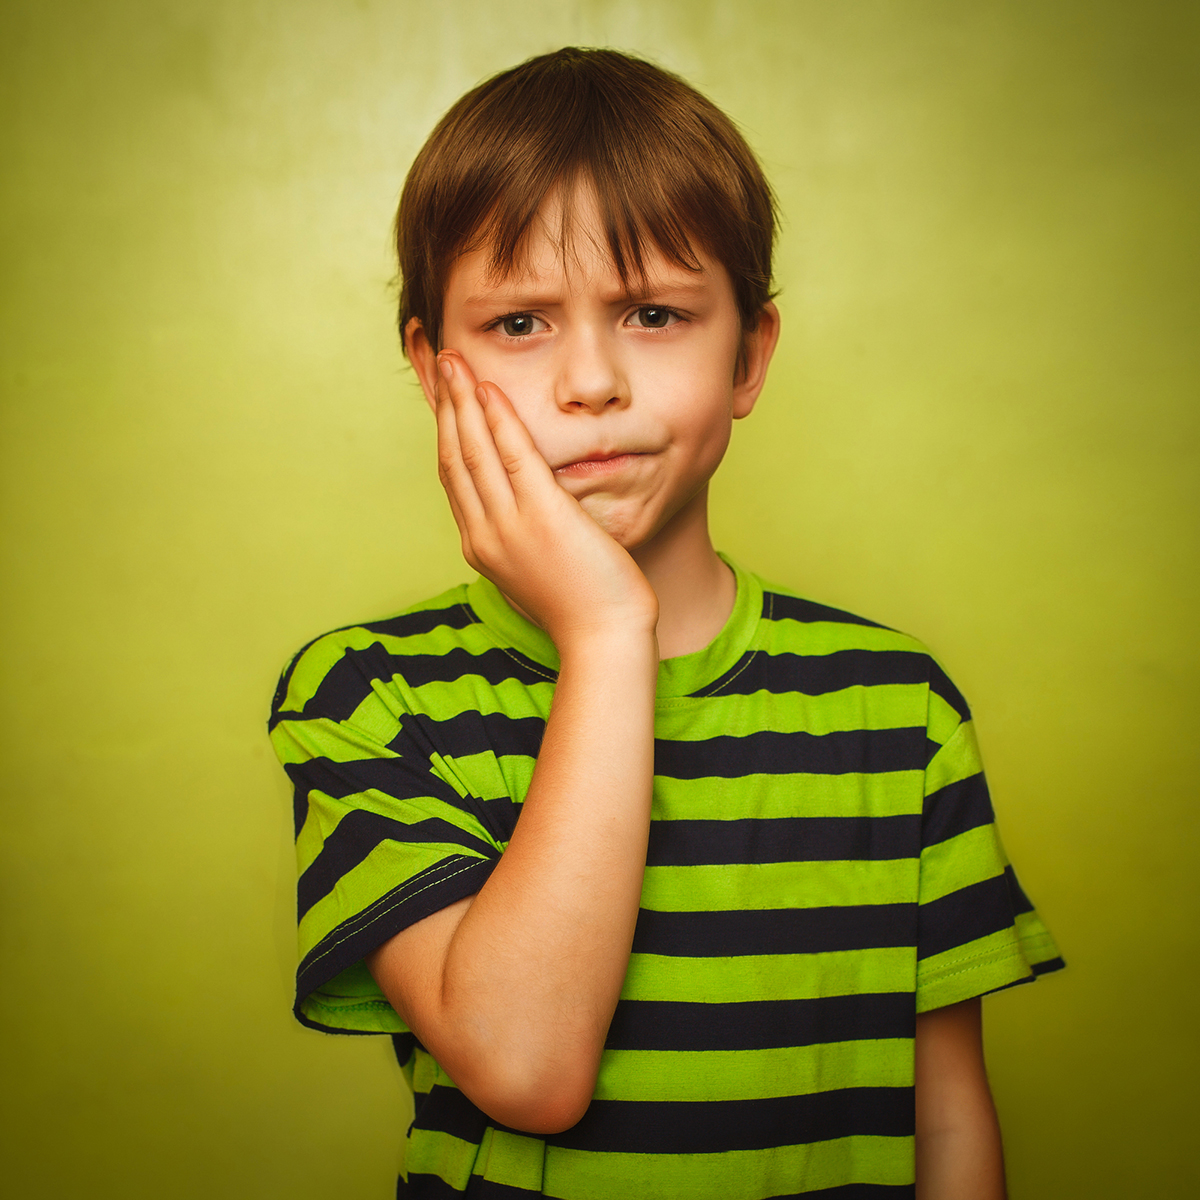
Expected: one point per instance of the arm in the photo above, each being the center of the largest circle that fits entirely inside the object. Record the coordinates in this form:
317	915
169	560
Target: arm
512	990
959	1156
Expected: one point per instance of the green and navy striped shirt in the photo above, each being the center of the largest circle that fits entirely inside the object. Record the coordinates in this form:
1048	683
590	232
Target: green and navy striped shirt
822	866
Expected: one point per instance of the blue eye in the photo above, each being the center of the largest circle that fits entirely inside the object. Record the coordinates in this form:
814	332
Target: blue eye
518	325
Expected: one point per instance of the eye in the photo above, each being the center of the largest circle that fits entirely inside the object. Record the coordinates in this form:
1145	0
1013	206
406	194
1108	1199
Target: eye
517	325
654	316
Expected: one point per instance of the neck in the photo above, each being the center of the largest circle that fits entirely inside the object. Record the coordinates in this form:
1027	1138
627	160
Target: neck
695	589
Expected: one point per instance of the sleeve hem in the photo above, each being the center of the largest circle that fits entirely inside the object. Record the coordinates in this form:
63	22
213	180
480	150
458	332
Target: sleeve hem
451	880
973	977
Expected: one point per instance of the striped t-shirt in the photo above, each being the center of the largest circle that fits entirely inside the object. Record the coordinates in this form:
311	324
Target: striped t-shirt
822	866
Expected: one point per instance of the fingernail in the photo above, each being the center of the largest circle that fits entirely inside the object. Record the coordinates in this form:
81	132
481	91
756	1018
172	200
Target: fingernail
481	396
446	369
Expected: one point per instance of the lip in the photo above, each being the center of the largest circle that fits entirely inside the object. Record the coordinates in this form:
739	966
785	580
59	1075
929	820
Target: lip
597	464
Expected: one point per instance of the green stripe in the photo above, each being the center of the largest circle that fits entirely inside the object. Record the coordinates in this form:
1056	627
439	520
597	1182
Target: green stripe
724	888
325	813
969	970
942	720
732	1175
960	861
957	759
770	976
493	777
696	1075
885	706
885	794
352	1000
298	741
512	1159
1036	943
782	634
441	700
377	716
431	1152
388	864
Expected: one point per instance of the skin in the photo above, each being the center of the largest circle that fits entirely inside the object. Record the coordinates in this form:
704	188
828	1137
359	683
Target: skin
578	476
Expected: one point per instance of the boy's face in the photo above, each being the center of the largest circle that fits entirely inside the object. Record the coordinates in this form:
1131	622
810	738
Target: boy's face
627	392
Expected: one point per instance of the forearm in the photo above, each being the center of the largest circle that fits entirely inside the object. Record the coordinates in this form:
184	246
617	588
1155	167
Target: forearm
518	1008
959	1153
963	1161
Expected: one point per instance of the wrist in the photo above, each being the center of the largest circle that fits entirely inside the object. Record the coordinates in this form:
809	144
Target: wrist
607	647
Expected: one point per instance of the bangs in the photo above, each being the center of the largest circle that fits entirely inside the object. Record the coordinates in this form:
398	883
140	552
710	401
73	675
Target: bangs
668	171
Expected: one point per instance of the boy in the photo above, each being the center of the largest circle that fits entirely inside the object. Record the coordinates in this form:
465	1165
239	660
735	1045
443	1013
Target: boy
667	883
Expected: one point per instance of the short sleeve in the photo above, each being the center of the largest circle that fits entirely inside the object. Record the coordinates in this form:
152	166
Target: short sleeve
387	831
977	931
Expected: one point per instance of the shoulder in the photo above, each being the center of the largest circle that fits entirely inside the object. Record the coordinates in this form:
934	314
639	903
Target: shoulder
333	673
851	649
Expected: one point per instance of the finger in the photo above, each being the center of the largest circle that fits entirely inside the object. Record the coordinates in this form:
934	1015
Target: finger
528	472
456	479
464	535
476	443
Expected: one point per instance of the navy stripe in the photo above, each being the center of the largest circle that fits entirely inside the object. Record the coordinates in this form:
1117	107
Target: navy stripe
718	1126
348	682
939	683
699	1127
783	839
457	616
857	1191
760	1024
771	753
426	620
1016	893
955	809
778	607
473	732
358	833
420	1186
397	777
962	916
405	1045
428	892
285	679
1051	964
774	930
447	1110
820	674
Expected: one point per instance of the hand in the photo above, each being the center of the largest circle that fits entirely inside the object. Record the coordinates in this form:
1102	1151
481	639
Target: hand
526	534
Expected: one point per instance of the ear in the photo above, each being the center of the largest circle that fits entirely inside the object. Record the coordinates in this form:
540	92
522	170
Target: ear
423	357
757	347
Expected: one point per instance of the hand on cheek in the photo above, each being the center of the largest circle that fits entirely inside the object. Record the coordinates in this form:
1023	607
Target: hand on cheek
520	529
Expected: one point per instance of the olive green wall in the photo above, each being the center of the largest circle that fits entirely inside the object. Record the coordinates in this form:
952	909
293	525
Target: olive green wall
981	427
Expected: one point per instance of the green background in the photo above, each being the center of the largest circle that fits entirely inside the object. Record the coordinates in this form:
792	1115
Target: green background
980	428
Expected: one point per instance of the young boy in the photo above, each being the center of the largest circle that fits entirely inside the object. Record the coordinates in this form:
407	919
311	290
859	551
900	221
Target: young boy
667	882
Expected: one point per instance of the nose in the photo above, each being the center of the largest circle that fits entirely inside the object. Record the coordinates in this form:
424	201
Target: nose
590	377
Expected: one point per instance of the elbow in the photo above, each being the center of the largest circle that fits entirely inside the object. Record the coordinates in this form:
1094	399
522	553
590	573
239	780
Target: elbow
542	1116
542	1104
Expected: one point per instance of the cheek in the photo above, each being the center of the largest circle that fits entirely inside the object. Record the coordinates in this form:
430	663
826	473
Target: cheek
519	378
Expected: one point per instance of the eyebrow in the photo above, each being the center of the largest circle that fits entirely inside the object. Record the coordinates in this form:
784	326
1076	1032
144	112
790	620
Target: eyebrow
651	289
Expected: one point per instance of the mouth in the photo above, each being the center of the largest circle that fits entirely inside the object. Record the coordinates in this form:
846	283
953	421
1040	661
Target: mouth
597	464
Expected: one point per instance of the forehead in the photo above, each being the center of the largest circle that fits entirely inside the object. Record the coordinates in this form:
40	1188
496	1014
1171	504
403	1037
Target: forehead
567	247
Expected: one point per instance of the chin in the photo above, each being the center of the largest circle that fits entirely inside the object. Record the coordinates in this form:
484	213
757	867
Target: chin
627	529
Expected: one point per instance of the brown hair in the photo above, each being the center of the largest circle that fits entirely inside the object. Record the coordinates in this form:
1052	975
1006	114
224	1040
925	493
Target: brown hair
665	165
